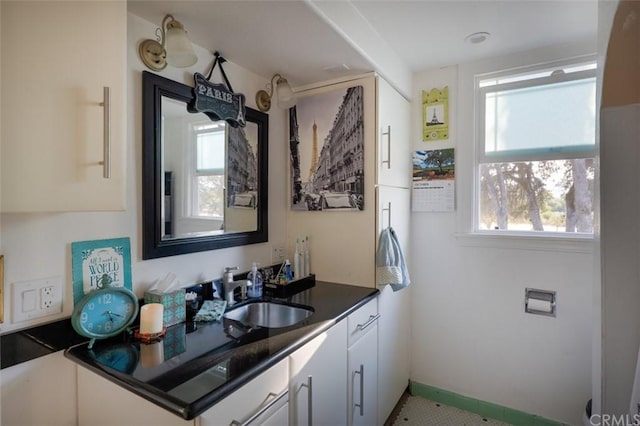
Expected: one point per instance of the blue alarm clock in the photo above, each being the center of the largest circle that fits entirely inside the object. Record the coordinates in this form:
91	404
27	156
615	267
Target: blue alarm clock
105	312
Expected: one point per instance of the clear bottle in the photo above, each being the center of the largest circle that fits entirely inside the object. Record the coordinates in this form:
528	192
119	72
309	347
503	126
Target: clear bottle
255	290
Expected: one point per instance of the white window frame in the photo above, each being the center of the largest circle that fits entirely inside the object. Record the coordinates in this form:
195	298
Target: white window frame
479	156
193	174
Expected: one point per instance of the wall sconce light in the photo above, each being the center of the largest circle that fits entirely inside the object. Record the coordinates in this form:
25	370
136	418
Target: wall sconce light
172	46
286	97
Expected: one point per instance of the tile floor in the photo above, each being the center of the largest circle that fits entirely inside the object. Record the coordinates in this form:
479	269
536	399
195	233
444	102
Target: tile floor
417	411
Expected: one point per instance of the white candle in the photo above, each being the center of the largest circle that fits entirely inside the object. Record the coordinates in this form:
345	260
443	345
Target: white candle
151	318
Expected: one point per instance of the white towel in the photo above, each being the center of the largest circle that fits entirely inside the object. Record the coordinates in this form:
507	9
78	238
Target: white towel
391	267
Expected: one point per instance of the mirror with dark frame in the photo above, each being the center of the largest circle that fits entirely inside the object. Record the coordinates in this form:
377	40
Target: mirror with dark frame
204	183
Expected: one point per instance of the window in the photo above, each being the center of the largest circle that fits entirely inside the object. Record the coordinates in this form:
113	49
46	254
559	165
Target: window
536	144
208	175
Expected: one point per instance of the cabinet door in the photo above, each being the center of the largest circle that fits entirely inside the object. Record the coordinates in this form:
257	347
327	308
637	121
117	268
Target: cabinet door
54	70
253	401
39	392
363	379
393	153
394	210
393	325
103	403
393	348
318	386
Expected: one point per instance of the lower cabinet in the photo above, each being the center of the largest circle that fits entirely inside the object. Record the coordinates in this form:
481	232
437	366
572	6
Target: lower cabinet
102	403
362	355
318	382
39	392
332	380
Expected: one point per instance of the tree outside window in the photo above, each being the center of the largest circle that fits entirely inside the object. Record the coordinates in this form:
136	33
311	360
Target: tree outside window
536	149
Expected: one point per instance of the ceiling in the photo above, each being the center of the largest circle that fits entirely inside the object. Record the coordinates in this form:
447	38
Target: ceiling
317	40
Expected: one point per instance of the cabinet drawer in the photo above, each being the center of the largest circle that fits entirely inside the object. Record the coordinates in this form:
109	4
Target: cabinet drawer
250	401
361	321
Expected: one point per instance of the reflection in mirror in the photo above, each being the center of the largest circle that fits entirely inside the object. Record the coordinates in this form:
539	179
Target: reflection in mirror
216	159
204	181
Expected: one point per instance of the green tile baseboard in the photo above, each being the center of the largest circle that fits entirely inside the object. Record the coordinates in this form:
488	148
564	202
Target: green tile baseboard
483	408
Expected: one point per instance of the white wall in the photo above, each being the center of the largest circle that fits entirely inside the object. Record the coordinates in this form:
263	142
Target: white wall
470	333
620	201
38	245
606	12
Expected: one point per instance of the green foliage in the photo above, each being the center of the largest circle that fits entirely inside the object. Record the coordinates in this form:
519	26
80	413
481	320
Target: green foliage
530	188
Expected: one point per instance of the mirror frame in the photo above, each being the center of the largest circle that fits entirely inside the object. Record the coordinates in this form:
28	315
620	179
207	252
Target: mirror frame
154	87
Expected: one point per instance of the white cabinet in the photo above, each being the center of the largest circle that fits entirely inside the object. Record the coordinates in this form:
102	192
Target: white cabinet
263	401
103	403
393	204
393	348
393	157
54	70
331	380
387	172
318	386
362	374
394	323
39	392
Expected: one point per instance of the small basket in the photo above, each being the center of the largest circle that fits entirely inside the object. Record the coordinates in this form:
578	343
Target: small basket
289	288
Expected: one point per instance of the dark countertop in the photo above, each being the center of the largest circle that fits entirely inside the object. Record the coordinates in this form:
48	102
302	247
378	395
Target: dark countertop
203	363
25	345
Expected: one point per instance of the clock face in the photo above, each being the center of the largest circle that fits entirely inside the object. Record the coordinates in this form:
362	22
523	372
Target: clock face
105	313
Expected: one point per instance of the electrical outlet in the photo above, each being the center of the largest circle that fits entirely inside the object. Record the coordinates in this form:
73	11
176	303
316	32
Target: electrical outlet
47	297
277	253
36	299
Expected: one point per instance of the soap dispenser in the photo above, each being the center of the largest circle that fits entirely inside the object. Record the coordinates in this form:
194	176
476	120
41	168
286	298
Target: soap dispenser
255	290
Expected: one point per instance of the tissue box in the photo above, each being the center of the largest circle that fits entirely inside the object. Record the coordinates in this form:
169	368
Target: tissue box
174	305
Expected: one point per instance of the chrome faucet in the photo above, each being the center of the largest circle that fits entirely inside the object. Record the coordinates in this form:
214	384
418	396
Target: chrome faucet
229	285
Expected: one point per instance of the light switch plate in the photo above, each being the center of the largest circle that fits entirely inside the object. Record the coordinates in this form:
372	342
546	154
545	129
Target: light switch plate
29	299
36	299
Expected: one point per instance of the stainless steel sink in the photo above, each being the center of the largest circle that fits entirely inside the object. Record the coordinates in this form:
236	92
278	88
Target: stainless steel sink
268	314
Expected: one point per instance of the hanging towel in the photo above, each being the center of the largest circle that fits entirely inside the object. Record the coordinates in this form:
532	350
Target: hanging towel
391	267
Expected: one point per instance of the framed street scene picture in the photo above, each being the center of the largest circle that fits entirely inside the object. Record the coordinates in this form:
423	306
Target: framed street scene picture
326	137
